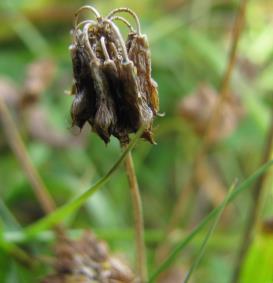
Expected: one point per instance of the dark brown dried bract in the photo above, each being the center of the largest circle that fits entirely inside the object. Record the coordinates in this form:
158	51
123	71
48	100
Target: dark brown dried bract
114	90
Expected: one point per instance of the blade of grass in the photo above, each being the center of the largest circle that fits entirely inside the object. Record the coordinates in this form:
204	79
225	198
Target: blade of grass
25	30
9	221
180	246
13	250
113	235
67	209
209	234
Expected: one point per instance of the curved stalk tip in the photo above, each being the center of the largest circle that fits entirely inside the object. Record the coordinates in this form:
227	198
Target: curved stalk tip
86	7
104	49
86	40
121	40
127	23
129	11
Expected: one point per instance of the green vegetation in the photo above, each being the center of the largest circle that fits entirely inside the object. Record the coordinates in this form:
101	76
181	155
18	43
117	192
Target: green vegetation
213	62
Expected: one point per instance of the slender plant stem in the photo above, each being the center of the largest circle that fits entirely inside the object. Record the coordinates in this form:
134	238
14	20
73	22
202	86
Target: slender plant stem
254	211
224	88
18	254
138	218
17	145
62	212
209	234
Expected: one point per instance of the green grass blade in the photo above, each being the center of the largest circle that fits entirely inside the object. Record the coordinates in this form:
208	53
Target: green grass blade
9	221
176	251
209	234
13	250
65	210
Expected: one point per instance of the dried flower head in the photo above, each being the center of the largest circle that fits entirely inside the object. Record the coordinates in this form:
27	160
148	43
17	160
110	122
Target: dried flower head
87	260
113	88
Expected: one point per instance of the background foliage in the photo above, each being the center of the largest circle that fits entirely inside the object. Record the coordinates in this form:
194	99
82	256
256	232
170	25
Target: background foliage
190	43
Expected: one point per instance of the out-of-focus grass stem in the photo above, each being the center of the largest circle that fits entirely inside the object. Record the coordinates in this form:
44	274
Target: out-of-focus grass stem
206	143
254	210
19	149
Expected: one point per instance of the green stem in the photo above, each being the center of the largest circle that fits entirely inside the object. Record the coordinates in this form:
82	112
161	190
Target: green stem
138	218
254	210
67	209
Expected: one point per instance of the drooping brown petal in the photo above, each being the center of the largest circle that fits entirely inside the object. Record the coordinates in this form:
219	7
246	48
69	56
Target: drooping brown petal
84	104
139	53
105	117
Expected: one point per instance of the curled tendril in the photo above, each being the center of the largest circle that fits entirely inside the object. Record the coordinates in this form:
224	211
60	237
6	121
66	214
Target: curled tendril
126	10
120	39
87	7
82	23
86	39
104	49
121	19
114	49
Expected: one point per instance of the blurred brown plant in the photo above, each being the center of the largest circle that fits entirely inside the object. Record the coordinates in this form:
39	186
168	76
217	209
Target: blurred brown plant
267	226
9	92
175	274
39	75
197	109
113	88
26	104
87	260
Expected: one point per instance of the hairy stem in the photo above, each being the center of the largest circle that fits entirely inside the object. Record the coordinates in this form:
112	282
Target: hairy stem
17	145
138	218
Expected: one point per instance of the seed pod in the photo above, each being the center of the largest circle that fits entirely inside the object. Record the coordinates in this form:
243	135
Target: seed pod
114	89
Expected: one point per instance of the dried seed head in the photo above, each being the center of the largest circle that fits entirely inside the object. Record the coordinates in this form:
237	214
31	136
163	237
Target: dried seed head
114	91
87	260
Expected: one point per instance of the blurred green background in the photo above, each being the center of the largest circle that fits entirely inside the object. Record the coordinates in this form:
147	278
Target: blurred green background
190	42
